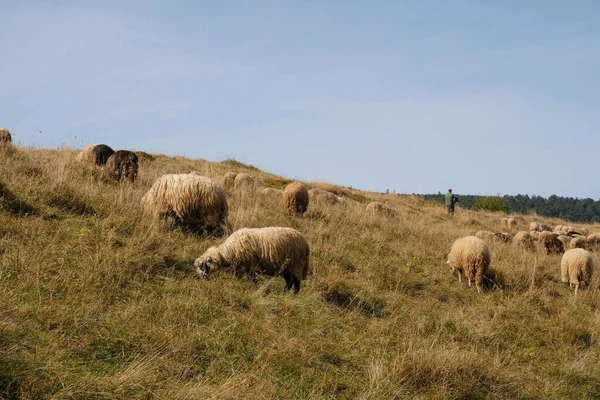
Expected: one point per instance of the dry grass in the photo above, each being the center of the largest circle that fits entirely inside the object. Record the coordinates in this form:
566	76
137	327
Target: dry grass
99	303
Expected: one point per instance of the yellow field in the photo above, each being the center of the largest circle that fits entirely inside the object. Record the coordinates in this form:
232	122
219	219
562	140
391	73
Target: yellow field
98	302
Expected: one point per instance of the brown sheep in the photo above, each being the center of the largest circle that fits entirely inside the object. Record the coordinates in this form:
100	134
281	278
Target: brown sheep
471	256
273	251
295	198
101	153
551	243
5	136
123	164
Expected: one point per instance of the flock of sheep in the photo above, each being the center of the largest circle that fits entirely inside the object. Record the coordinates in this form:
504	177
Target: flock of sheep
471	256
200	204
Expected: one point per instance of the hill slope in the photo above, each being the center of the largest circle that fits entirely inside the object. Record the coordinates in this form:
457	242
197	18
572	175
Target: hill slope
97	302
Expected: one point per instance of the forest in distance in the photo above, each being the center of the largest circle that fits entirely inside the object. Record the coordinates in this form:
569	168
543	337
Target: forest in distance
568	208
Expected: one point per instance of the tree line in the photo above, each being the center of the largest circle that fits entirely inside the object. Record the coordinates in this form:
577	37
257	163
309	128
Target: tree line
568	208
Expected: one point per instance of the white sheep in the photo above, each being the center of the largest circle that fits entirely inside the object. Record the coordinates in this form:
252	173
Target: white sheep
195	201
471	256
272	251
576	267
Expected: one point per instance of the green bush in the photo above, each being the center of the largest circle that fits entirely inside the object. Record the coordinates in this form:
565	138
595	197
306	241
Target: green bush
491	203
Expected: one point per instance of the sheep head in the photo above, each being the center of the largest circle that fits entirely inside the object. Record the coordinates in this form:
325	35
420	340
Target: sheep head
208	262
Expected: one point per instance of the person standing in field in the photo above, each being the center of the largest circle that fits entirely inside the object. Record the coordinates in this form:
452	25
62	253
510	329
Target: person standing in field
451	199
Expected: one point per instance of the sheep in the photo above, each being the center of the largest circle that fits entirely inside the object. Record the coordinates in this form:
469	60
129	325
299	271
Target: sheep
511	223
551	243
272	251
558	229
322	197
101	153
576	267
593	240
524	240
85	154
535	235
579	242
534	226
544	228
565	240
503	237
123	164
377	208
272	192
295	198
229	180
5	136
471	256
195	201
243	181
504	223
486	236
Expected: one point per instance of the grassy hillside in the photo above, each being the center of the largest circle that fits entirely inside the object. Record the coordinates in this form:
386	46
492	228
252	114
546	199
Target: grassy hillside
100	303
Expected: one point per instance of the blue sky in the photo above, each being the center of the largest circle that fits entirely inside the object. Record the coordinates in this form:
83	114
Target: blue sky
485	97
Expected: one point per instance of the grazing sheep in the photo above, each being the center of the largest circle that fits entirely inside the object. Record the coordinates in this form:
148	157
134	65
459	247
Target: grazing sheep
101	153
471	256
229	180
486	236
504	223
511	223
5	136
583	231
576	267
534	226
579	242
558	229
524	240
322	197
85	154
377	208
551	243
193	200
544	228
272	251
123	164
593	240
503	237
243	181
535	235
565	240
295	198
272	192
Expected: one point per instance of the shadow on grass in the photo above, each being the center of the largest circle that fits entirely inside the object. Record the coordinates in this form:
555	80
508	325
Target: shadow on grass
12	204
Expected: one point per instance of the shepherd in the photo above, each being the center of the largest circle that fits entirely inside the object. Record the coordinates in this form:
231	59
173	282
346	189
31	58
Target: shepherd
451	199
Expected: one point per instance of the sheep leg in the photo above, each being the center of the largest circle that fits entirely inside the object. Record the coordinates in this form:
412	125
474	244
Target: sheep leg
469	282
460	277
288	281
296	282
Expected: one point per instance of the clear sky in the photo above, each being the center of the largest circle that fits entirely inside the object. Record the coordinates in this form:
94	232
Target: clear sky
482	96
